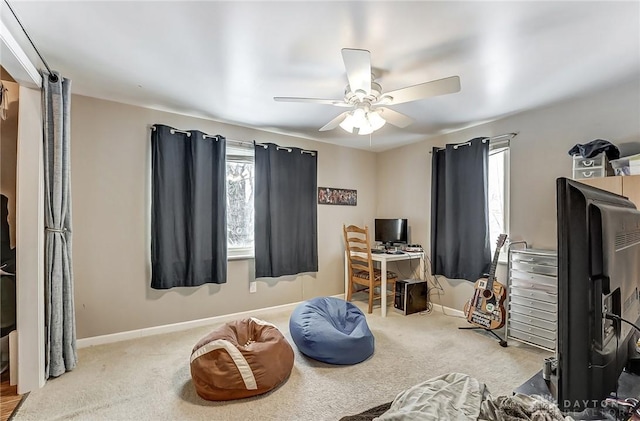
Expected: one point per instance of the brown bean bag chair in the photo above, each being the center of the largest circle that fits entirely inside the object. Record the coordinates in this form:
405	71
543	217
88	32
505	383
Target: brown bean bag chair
240	359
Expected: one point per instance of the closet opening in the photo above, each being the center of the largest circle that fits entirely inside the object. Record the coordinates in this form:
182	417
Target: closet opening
9	97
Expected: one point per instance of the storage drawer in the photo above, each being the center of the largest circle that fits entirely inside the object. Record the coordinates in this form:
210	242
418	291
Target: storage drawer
534	259
535	268
533	330
580	163
535	304
533	321
535	278
535	295
588	173
546	343
537	309
536	286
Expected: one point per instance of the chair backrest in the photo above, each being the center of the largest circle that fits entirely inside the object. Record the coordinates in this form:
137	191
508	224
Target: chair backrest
358	249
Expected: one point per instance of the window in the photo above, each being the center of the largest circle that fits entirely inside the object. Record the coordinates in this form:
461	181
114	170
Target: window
240	193
498	193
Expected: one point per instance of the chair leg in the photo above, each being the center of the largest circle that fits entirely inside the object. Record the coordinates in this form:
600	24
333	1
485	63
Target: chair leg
349	290
371	290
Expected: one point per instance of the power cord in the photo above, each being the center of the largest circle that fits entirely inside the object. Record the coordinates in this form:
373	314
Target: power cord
434	286
632	404
612	316
411	259
635	411
425	274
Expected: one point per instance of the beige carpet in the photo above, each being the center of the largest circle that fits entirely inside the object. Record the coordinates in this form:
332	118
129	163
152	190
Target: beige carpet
149	379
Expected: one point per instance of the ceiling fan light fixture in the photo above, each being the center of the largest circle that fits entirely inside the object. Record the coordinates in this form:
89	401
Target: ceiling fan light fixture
348	124
375	120
365	121
367	129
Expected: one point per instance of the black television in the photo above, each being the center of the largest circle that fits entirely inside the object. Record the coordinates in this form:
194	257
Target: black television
598	283
390	231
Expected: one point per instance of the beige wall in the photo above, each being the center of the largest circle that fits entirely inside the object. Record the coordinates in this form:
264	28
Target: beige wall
111	202
110	175
538	157
8	150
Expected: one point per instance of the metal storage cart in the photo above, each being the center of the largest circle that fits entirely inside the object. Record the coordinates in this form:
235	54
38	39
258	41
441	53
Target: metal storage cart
533	296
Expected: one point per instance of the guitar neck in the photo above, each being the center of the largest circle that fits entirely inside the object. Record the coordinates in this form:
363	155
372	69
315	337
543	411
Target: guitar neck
492	271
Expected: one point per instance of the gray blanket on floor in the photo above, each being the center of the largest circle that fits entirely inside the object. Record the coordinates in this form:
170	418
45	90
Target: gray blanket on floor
453	396
457	396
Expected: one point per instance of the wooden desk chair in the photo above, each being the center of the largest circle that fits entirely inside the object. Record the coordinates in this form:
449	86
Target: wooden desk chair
361	270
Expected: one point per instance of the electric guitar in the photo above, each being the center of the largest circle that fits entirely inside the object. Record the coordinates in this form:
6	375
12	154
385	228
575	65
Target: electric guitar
486	308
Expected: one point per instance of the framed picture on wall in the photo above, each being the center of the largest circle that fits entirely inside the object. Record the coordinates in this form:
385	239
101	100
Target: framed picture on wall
337	196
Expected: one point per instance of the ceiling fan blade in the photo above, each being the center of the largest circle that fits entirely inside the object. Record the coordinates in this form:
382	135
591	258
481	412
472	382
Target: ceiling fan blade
448	85
394	117
358	66
334	102
334	123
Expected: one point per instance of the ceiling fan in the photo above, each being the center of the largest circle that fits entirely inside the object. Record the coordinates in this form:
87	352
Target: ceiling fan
369	104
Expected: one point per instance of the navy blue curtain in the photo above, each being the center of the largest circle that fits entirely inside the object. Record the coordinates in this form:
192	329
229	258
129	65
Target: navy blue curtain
460	243
286	240
188	212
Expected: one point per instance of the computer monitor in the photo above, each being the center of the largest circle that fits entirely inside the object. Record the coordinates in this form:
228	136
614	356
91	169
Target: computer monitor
390	231
598	282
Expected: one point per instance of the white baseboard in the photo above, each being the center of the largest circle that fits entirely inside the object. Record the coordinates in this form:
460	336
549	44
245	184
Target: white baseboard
448	310
176	327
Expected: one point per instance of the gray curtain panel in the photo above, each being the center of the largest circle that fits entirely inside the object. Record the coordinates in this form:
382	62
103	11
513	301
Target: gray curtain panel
60	343
460	243
286	211
188	210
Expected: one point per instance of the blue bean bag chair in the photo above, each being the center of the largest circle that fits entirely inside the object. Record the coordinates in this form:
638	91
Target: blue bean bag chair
331	330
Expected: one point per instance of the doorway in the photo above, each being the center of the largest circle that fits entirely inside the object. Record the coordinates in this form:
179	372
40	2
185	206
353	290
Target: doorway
9	96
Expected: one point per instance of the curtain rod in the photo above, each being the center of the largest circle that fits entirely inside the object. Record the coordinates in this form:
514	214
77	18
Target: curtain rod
52	77
174	131
508	137
241	142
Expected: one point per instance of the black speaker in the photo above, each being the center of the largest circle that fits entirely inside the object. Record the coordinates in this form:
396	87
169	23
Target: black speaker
411	296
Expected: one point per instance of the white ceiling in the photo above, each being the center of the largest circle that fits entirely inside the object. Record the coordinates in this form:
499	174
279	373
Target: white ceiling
227	60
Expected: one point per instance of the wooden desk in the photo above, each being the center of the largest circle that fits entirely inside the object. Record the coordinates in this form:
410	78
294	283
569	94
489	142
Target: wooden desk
383	258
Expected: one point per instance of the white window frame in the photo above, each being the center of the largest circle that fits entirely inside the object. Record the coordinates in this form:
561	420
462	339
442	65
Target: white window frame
243	153
504	147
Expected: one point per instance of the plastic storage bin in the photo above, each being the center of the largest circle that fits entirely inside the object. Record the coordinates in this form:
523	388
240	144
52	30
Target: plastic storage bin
621	166
597	166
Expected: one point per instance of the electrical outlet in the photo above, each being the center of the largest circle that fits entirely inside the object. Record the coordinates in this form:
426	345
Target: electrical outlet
253	287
